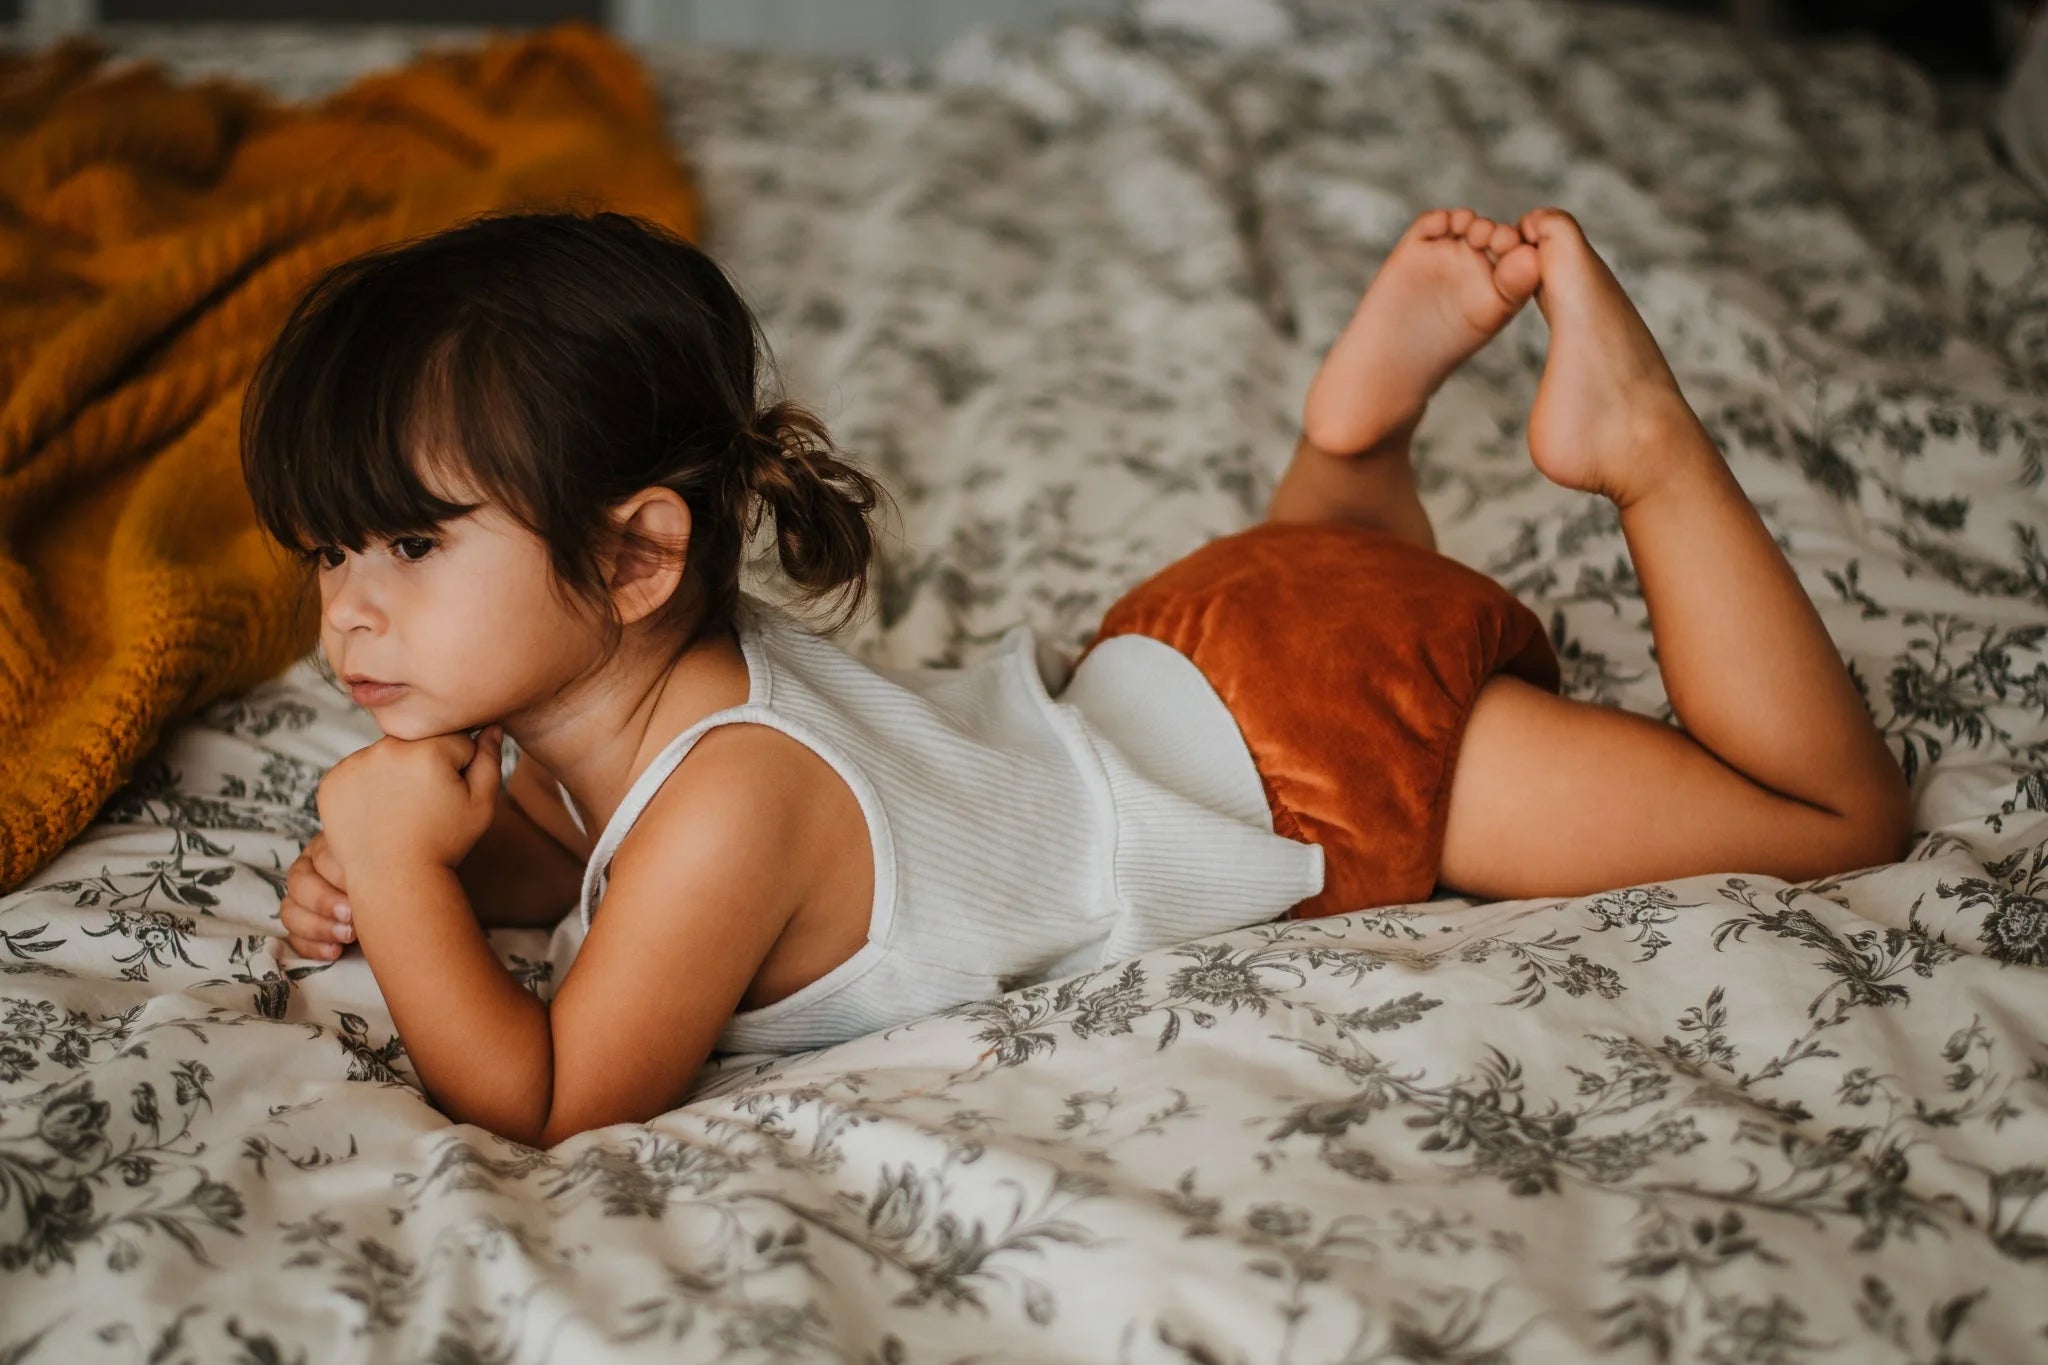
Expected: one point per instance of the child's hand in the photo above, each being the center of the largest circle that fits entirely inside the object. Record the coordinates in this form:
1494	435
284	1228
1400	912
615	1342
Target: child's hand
401	804
315	909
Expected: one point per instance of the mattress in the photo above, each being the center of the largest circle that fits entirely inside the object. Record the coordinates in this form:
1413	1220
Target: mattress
1065	292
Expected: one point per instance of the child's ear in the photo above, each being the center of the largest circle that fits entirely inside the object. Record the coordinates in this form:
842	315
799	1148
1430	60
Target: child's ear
642	576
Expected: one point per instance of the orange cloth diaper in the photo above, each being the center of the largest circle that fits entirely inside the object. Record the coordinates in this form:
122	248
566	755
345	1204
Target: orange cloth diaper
1350	660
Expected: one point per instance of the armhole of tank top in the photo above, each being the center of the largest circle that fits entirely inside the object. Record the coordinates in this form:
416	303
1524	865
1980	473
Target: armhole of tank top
881	911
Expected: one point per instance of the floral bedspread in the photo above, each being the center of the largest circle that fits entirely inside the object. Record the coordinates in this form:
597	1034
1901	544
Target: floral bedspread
1066	293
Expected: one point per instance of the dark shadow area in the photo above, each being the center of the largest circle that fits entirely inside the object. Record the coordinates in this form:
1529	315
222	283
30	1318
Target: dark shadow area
1948	37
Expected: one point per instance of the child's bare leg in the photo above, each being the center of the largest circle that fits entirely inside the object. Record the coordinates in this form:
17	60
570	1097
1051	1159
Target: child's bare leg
1779	769
1451	282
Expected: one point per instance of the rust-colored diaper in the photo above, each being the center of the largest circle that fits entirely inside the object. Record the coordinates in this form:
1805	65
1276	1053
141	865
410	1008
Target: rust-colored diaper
1350	659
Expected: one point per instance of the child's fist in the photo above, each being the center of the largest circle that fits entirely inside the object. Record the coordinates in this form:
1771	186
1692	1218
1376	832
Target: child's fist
315	909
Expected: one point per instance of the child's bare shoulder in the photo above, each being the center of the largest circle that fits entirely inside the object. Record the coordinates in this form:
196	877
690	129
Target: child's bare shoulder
746	795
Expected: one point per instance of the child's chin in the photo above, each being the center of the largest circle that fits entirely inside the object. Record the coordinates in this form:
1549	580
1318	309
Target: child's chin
396	728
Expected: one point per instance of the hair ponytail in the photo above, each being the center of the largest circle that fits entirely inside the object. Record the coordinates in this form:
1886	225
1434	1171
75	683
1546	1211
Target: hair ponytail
820	503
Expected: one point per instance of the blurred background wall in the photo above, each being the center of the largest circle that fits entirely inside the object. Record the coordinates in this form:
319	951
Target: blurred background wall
902	27
1978	37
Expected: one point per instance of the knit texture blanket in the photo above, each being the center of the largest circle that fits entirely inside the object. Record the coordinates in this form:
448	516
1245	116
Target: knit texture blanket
153	236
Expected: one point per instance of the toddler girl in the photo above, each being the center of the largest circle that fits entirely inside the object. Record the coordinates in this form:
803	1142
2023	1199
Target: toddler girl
526	455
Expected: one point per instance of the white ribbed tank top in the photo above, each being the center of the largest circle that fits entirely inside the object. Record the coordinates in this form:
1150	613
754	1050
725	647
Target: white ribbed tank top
1016	838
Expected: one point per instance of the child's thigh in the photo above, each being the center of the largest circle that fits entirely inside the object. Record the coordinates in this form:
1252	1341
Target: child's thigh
1554	797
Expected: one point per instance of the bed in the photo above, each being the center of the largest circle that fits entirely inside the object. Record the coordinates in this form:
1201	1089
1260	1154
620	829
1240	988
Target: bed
1065	292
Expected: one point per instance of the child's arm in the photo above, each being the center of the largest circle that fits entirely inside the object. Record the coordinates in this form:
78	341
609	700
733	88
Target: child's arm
1779	769
695	898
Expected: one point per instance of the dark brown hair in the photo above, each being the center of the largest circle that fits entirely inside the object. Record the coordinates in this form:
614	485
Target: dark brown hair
557	363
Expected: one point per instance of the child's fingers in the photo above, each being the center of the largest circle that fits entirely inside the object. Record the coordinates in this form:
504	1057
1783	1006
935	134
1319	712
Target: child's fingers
322	861
313	933
314	912
306	923
326	865
304	884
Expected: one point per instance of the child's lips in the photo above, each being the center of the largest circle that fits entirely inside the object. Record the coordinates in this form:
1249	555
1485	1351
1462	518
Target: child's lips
375	693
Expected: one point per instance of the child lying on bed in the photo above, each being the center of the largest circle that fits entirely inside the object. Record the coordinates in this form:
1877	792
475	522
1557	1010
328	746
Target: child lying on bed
526	456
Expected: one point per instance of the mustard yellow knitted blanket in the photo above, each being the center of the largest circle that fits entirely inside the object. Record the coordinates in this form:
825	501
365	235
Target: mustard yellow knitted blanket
153	235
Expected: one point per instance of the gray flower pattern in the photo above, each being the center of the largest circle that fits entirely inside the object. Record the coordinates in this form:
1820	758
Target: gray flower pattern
1065	293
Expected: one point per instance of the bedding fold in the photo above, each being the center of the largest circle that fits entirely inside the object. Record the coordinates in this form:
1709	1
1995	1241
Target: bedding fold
153	236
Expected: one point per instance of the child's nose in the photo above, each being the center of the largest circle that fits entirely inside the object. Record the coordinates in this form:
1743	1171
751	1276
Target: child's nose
351	603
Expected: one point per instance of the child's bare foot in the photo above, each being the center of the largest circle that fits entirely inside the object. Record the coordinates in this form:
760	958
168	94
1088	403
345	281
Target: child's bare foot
1608	411
1451	282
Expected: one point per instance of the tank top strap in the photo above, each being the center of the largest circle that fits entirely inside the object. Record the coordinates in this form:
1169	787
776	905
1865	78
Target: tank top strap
643	789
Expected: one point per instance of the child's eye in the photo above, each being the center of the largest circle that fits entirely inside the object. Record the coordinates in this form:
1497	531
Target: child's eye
426	543
317	556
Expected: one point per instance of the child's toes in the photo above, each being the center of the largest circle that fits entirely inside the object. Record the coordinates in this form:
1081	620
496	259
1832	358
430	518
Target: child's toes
1517	274
1434	223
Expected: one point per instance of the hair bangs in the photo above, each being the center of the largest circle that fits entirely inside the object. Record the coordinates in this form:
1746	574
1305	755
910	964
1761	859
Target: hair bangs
349	422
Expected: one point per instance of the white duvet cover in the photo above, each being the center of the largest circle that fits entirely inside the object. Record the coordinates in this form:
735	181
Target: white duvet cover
1066	294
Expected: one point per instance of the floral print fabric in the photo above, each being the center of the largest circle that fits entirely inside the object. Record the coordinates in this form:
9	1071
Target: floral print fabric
1065	292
